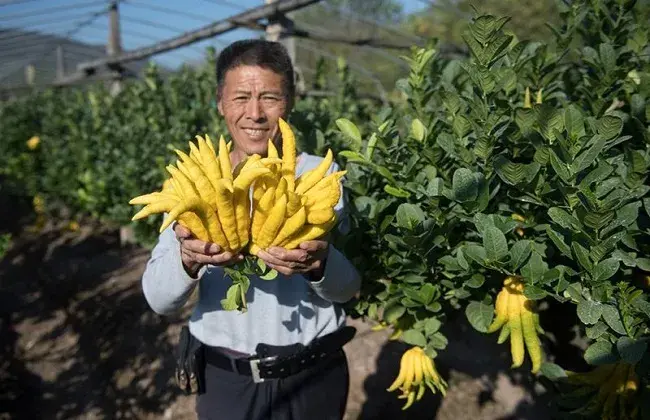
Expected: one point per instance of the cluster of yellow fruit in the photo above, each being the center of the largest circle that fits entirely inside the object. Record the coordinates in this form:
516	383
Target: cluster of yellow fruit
615	387
416	372
516	317
213	200
288	211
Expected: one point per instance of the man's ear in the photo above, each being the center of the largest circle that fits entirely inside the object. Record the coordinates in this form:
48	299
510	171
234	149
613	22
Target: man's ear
220	106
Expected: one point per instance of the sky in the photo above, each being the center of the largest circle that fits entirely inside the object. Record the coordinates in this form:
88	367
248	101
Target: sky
142	22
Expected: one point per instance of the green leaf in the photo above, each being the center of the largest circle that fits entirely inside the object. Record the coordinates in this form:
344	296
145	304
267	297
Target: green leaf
535	268
348	128
561	169
607	57
476	281
475	253
643	263
605	269
519	253
431	326
599	174
409	215
435	187
396	192
558	240
464	185
574	121
631	350
438	341
596	331
589	311
588	157
515	173
549	120
426	293
562	218
418	131
609	127
414	338
354	156
393	313
552	371
269	275
495	244
230	303
479	315
613	319
534	293
628	214
582	255
600	353
624	257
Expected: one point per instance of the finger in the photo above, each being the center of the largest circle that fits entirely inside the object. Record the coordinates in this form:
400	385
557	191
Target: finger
193	257
314	246
269	258
201	247
281	269
181	231
226	258
295	255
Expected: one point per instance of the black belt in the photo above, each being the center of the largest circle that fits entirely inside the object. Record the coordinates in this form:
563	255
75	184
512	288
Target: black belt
274	366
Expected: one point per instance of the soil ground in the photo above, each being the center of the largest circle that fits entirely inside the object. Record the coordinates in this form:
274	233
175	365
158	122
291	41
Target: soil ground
78	341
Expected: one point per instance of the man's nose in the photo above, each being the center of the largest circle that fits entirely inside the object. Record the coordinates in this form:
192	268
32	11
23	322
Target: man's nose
254	110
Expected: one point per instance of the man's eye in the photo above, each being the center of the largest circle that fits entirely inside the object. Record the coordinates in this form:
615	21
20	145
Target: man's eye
271	98
240	98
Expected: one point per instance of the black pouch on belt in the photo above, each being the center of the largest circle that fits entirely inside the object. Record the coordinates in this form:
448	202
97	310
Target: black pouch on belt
189	363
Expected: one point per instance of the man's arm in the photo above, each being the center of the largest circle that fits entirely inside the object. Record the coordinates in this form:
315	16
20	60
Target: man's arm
340	280
165	282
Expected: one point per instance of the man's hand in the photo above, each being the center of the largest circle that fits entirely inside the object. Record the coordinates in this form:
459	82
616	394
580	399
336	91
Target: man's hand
196	253
309	258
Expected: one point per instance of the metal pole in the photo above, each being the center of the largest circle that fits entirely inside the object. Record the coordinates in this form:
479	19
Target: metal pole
280	29
60	63
114	47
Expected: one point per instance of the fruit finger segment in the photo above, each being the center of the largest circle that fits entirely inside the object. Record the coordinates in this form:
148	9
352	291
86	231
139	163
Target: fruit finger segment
530	334
516	334
315	175
501	310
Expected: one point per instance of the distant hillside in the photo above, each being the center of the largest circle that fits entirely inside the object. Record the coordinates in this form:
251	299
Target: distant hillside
19	47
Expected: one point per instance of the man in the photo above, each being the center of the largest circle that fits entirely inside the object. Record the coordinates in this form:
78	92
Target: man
295	320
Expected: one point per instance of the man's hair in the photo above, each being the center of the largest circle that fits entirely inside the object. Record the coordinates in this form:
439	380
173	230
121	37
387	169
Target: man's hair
256	52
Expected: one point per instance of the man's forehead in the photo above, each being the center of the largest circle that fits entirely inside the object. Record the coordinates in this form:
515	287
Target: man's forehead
253	78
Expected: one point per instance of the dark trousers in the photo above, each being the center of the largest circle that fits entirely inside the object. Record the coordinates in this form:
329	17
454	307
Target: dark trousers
318	393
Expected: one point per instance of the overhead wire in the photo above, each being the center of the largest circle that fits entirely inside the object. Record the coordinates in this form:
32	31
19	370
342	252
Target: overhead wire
176	12
45	22
68	34
13	3
47	11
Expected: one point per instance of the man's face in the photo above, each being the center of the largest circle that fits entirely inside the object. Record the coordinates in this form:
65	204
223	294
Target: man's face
252	101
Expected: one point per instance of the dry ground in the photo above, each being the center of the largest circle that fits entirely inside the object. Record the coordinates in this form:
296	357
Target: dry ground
78	341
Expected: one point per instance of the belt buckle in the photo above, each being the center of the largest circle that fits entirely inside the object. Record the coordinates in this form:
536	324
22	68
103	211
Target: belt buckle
255	367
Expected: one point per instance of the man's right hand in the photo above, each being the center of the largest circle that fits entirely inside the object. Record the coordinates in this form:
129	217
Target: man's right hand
196	253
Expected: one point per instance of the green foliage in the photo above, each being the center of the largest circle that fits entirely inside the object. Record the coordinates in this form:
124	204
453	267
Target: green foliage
5	243
435	205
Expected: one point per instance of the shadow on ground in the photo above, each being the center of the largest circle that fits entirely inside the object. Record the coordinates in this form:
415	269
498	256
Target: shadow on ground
482	384
77	342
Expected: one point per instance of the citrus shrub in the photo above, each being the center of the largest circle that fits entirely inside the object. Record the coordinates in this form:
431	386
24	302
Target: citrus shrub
508	180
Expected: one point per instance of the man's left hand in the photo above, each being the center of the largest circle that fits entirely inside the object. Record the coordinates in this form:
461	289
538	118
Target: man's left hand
308	258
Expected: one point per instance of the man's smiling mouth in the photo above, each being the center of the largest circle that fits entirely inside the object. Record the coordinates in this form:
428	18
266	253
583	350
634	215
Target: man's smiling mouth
255	132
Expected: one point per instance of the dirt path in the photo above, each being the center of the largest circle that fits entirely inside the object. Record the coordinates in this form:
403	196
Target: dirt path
78	341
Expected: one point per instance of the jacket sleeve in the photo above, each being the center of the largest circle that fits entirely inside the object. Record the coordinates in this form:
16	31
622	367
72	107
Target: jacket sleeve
341	280
165	283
